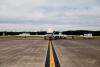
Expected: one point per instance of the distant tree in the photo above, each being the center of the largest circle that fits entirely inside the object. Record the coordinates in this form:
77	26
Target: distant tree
56	32
81	32
41	32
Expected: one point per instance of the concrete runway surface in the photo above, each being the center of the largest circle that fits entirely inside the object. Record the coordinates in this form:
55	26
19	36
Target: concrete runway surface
78	53
23	53
32	53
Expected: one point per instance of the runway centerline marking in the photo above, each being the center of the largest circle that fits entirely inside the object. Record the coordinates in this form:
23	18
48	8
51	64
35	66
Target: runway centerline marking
51	59
52	63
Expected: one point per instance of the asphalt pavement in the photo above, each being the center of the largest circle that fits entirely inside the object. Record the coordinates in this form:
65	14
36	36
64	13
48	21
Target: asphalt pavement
33	53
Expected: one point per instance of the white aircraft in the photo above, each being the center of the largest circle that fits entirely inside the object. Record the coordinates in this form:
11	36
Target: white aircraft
50	35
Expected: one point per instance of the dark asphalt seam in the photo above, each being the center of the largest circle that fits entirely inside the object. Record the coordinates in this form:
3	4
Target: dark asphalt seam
47	63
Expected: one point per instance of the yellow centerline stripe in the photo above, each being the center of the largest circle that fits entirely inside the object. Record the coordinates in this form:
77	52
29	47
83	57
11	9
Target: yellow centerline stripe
52	63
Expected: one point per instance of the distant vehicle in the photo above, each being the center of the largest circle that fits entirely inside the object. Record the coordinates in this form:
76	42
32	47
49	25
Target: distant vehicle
24	34
88	36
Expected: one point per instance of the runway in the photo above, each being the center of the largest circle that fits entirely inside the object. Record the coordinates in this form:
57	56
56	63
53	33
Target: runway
78	53
33	53
23	53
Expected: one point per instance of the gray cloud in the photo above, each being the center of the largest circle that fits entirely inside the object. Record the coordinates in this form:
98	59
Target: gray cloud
55	12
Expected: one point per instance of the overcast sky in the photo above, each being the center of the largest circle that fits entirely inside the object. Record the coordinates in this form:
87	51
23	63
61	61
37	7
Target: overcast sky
33	15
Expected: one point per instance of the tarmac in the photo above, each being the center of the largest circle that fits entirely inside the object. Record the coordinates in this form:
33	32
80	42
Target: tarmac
33	53
78	53
23	53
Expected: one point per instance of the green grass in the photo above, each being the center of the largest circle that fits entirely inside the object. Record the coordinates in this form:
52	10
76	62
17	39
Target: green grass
22	37
81	38
96	37
38	37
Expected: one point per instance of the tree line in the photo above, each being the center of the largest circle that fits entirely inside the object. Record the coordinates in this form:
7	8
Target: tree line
77	32
81	32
